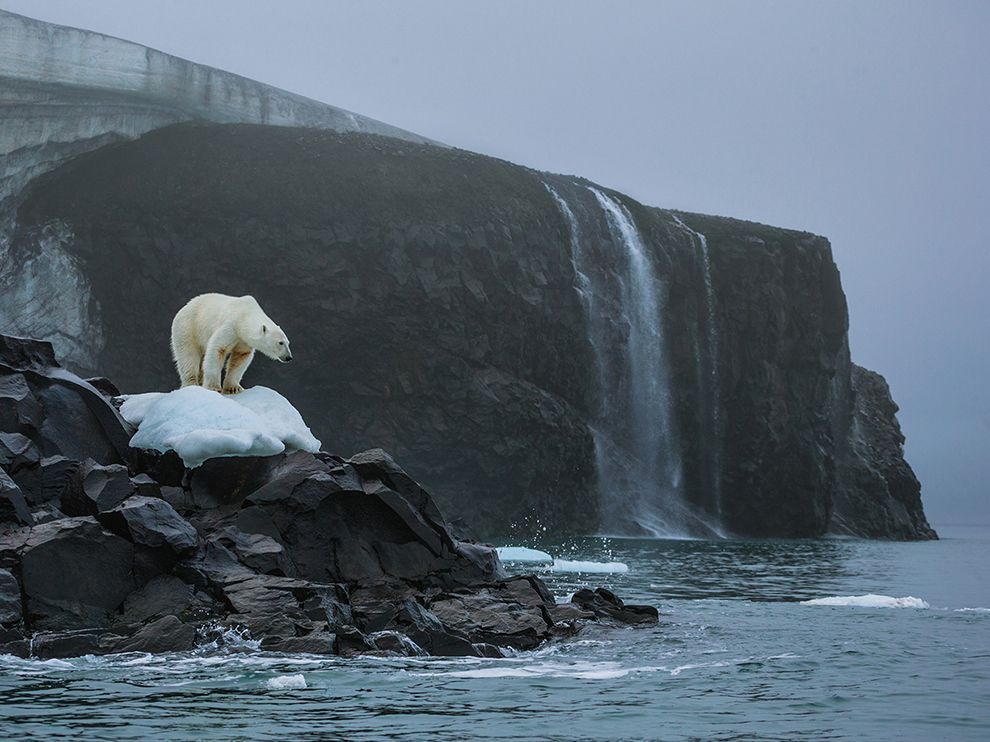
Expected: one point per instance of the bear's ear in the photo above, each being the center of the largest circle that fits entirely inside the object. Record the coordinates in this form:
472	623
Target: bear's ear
264	329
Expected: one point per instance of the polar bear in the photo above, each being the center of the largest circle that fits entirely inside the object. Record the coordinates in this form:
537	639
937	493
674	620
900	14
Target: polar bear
213	331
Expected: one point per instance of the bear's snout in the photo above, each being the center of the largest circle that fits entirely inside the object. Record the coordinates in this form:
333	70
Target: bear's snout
286	358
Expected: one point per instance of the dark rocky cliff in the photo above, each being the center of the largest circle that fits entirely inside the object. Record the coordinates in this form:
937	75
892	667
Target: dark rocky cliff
430	297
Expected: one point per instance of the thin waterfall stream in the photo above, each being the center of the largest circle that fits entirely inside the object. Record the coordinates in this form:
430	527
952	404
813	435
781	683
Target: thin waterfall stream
638	456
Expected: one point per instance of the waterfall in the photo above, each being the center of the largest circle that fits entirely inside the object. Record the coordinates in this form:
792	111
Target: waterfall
636	448
709	383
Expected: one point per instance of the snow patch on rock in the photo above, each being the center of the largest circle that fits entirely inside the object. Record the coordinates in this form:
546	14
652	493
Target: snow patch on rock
200	424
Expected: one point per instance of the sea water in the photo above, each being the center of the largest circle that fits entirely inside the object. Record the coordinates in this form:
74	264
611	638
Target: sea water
794	640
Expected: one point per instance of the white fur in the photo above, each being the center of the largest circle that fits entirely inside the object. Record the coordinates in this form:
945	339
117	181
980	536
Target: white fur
214	331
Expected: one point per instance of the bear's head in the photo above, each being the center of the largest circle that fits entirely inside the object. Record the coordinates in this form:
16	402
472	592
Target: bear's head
274	344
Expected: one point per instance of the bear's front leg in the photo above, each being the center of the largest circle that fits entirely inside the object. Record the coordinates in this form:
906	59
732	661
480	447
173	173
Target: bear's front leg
213	361
236	367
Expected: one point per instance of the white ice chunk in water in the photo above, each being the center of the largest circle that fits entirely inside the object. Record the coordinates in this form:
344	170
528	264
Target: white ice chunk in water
603	568
199	424
522	554
286	682
869	601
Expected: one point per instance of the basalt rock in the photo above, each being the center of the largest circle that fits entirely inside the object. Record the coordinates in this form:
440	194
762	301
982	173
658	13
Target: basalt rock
302	552
12	502
603	603
10	599
75	573
100	488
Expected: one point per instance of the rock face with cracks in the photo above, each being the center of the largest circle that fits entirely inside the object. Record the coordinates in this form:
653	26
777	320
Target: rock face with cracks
104	548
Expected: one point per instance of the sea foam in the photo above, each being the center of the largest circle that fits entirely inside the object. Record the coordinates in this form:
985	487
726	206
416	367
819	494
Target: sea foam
286	682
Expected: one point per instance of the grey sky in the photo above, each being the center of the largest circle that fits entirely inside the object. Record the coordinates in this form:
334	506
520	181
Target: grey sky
865	121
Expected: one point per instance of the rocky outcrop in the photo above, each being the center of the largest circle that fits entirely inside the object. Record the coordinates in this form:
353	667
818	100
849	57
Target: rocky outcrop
439	308
122	550
877	494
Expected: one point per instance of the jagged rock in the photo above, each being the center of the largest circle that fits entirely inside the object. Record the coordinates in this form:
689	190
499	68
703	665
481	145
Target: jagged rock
12	543
513	613
307	552
165	634
395	643
13	506
258	552
349	641
569	614
167	595
428	632
222	481
17	452
165	468
145	486
46	514
104	386
335	533
58	411
102	488
319	642
19	409
75	573
50	645
55	477
603	603
13	642
375	607
150	522
211	568
279	606
178	498
10	599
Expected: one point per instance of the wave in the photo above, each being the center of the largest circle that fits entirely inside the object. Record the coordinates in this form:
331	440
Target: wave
869	601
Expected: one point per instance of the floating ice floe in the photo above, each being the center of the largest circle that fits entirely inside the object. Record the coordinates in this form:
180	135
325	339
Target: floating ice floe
523	555
199	424
286	682
869	601
603	568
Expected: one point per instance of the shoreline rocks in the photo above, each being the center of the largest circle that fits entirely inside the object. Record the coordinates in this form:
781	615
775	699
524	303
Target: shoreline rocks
108	549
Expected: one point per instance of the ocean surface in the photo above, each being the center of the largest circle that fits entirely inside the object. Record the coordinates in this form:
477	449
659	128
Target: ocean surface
740	653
